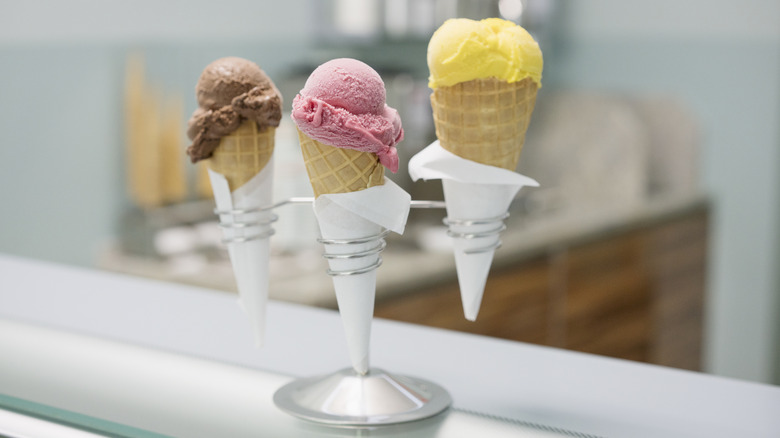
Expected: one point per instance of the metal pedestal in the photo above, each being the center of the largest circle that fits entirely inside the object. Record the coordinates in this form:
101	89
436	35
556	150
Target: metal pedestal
347	398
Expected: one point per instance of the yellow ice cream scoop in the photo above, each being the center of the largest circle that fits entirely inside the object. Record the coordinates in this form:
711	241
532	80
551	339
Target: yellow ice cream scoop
462	50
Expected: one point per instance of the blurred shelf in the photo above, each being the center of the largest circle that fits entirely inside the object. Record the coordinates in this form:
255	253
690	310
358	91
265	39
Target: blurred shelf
632	289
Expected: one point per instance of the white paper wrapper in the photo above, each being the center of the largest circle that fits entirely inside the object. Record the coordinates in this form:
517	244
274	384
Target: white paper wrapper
472	191
250	259
356	215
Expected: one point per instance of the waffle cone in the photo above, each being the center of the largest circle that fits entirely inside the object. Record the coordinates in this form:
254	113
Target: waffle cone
243	154
339	170
484	120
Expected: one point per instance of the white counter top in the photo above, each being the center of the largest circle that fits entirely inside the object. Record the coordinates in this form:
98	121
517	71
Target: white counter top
162	323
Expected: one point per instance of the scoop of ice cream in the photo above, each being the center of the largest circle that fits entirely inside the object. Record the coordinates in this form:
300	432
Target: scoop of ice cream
230	90
343	104
226	78
462	50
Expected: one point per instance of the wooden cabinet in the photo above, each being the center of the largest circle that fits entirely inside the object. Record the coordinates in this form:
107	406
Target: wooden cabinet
635	293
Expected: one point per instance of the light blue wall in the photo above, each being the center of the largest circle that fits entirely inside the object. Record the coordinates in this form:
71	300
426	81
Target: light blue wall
722	59
59	151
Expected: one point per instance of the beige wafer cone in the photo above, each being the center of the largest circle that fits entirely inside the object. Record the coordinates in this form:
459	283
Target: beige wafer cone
484	120
339	170
243	154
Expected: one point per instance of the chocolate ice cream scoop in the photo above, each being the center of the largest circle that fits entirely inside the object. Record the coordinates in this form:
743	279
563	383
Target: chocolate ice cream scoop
230	90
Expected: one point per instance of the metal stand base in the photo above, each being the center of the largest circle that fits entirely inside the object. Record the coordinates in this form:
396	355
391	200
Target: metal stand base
347	398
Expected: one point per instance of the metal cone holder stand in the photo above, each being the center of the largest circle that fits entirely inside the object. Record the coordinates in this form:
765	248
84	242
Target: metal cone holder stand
495	226
242	221
352	397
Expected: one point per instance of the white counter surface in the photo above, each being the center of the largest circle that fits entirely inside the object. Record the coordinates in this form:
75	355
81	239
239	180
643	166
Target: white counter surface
168	327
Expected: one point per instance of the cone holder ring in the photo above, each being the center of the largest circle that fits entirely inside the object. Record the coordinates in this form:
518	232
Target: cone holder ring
500	226
381	245
242	223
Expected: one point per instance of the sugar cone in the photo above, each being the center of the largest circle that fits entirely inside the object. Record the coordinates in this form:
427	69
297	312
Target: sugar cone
243	154
241	176
484	120
339	170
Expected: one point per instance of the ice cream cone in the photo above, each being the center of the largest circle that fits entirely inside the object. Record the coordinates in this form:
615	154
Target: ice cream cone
348	136
485	75
243	154
339	170
233	130
485	119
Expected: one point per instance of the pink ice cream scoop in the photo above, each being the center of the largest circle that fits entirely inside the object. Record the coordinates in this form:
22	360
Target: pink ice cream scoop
342	104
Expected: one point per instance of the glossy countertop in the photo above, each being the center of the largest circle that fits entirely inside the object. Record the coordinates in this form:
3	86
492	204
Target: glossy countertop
174	359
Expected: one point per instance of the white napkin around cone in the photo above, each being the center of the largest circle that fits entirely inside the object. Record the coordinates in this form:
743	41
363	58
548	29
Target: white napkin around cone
250	259
358	215
472	191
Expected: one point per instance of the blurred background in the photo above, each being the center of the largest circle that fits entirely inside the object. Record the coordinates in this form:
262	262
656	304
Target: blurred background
653	236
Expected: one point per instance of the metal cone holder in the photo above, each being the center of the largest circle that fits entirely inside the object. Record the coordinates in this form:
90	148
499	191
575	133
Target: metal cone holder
495	226
246	219
241	222
349	397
